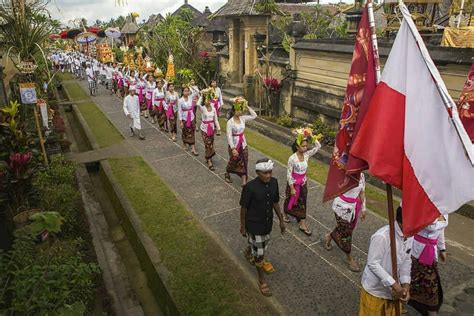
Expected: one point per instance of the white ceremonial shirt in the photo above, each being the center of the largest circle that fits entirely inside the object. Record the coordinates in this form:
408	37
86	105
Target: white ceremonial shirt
172	98
208	116
377	277
433	231
300	167
344	209
185	107
90	74
131	107
234	128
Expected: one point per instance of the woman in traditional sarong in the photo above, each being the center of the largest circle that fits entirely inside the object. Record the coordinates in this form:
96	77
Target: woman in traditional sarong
150	85
209	126
296	187
141	86
195	94
426	293
238	151
216	101
171	108
348	207
186	119
121	82
115	78
159	100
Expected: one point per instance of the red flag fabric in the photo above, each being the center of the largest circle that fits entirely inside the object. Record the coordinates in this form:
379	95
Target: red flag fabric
344	169
466	104
408	138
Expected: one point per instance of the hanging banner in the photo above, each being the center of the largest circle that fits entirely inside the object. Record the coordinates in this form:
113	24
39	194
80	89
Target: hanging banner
28	93
44	111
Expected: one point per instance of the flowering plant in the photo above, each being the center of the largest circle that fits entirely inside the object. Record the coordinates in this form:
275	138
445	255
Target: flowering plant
203	54
272	84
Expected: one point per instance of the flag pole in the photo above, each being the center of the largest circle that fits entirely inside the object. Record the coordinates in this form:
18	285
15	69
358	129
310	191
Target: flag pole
391	215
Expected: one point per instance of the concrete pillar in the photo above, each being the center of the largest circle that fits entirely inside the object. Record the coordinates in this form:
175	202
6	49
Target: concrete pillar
234	49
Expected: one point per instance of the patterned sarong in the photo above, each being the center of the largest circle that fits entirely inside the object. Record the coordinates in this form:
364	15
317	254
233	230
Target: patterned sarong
426	292
208	145
258	245
298	209
187	133
238	165
342	234
172	124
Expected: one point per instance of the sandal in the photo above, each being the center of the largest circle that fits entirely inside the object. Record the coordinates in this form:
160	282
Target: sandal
227	178
306	231
268	267
195	153
264	289
354	267
324	242
286	219
212	168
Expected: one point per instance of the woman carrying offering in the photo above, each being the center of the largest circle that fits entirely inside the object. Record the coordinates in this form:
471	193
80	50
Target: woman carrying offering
209	126
159	100
216	101
171	107
195	94
149	87
296	187
238	151
186	119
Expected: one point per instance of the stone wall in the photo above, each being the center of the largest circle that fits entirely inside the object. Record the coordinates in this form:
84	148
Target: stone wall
322	67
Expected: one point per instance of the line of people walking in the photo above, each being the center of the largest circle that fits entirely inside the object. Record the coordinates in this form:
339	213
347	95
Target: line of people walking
158	100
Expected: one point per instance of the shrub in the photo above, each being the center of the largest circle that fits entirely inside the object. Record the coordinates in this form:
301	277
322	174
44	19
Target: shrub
285	120
328	131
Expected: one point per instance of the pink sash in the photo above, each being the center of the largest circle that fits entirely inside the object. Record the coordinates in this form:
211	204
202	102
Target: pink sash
140	94
428	254
241	140
216	104
170	111
299	178
210	127
188	118
160	104
358	207
120	83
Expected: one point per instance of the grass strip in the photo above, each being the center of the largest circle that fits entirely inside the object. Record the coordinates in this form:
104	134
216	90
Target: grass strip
202	281
104	132
317	171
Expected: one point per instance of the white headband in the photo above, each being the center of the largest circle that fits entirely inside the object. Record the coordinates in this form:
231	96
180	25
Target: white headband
264	166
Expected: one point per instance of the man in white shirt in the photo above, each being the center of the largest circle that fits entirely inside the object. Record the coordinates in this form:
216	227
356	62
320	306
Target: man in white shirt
91	79
131	108
380	291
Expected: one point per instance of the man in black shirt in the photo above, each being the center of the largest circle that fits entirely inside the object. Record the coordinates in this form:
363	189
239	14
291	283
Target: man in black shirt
259	198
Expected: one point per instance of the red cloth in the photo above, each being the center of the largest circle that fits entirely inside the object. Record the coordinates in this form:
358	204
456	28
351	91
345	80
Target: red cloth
466	104
344	169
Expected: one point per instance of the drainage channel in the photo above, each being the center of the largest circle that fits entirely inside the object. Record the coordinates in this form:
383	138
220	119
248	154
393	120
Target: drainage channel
135	275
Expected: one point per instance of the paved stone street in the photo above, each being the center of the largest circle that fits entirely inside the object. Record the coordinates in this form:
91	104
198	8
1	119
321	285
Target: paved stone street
308	279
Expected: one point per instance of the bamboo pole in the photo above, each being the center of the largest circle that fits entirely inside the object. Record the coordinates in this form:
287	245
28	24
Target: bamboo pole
461	9
40	134
391	215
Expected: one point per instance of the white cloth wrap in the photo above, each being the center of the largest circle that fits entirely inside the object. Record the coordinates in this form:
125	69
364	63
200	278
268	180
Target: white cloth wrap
264	166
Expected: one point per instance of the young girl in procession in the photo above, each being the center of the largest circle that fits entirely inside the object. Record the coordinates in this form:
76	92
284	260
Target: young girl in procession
171	107
209	126
348	207
296	186
186	119
426	293
120	82
217	101
159	100
141	85
238	151
150	86
195	94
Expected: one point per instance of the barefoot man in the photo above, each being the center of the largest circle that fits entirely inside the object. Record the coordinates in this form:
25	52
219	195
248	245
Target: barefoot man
131	108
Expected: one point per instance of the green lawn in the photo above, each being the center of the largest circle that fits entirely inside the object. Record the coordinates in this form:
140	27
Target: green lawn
376	198
104	132
202	281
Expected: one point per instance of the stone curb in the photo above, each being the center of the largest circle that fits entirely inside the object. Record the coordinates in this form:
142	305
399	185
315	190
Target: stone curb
142	244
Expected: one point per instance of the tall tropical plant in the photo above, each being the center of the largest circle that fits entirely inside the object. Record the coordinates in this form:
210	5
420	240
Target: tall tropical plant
25	26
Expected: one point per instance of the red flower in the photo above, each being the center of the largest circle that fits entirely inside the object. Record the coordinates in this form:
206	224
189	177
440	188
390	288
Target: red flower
18	163
306	133
203	54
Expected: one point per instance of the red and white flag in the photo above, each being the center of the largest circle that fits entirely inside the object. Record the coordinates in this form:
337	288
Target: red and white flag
412	137
344	169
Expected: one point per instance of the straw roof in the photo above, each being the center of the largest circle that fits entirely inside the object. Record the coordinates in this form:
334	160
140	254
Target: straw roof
130	26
